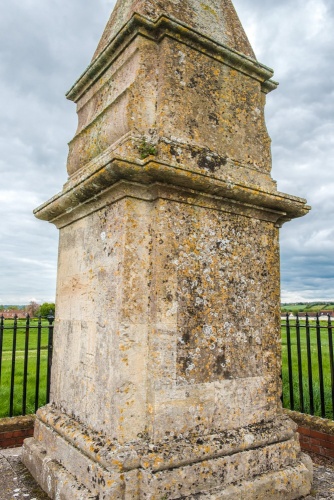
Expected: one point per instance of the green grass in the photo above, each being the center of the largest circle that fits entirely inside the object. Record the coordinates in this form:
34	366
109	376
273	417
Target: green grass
315	370
6	368
19	368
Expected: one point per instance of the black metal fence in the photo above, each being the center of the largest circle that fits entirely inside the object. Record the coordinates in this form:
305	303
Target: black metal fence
307	364
25	364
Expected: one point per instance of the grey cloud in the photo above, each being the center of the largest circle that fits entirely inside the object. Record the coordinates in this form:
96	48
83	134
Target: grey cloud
45	46
297	41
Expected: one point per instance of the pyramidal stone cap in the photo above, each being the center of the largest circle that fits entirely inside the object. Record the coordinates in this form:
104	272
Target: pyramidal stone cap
217	19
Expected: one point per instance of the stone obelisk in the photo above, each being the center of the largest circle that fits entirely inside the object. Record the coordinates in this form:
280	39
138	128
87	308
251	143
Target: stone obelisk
166	368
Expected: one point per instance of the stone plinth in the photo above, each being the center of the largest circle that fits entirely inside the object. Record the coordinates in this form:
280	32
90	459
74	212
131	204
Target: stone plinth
166	368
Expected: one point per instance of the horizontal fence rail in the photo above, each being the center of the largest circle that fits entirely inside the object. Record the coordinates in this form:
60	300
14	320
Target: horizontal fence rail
25	364
307	365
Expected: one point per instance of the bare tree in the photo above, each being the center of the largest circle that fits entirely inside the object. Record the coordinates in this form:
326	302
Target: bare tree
32	308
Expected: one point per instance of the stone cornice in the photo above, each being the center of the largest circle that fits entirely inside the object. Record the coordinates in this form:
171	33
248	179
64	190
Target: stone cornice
102	174
165	26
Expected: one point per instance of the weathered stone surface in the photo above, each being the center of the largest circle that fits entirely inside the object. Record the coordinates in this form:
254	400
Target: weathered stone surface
166	369
216	19
170	469
147	85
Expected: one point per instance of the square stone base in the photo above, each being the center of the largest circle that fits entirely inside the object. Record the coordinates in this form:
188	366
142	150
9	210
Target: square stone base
72	463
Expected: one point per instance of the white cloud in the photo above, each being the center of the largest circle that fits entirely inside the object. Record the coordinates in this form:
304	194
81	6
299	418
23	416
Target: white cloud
45	46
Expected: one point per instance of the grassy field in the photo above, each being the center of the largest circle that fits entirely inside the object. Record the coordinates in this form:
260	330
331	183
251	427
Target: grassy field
327	376
6	367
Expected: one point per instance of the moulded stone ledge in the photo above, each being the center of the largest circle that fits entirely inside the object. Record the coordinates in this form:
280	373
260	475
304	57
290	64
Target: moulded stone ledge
153	192
164	26
242	475
290	484
166	454
93	182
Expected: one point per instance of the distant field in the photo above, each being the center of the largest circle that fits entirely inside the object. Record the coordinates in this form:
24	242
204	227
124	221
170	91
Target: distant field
6	367
308	307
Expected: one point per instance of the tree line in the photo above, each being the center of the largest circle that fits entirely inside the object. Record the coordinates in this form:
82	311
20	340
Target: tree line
33	308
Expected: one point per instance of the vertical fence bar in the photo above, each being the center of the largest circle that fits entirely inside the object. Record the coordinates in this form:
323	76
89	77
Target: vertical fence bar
288	342
309	364
12	379
321	373
25	369
300	366
1	341
331	360
38	361
50	350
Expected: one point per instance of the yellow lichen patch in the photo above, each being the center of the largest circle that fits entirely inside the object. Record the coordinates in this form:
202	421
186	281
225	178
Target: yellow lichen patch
209	9
117	463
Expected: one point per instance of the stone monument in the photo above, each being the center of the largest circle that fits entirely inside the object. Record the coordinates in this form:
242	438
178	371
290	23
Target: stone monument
166	368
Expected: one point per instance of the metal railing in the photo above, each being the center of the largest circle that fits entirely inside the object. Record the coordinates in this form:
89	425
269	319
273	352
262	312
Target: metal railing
25	364
307	365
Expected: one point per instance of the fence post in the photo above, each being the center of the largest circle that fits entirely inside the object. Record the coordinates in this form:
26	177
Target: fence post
25	370
321	373
1	340
309	364
300	366
38	361
12	381
331	360
288	341
50	318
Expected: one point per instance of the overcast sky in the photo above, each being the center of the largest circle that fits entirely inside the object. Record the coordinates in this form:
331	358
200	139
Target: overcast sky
45	46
